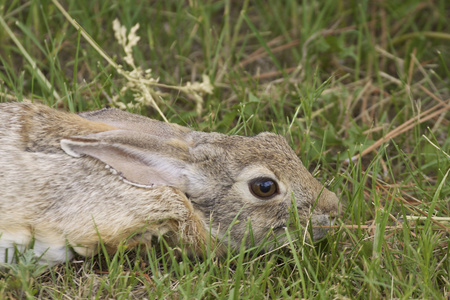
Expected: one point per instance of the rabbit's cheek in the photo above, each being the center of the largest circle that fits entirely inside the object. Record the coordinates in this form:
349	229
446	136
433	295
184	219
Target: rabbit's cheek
267	217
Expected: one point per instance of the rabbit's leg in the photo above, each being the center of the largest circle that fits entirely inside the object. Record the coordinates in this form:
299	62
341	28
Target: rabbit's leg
85	250
50	246
12	241
52	252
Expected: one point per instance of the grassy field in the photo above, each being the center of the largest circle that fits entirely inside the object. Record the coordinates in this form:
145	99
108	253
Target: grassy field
360	89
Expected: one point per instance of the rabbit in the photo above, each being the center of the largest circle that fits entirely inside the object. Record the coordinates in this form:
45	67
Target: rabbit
69	181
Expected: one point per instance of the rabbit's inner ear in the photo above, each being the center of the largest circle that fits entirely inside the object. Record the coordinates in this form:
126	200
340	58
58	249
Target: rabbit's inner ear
139	166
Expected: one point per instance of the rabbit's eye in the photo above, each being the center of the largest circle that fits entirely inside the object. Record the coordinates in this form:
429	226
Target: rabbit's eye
263	188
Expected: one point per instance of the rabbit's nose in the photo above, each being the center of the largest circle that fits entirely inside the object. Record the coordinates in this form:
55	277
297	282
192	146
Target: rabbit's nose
329	203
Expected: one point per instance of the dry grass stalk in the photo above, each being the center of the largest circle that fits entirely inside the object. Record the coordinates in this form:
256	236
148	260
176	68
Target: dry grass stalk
140	82
424	116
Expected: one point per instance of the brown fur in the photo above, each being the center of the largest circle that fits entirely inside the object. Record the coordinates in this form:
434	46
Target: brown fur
73	179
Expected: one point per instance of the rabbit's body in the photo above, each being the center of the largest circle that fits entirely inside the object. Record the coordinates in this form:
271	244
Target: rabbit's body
69	179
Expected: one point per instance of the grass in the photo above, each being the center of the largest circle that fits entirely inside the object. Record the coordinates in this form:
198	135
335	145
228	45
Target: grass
359	88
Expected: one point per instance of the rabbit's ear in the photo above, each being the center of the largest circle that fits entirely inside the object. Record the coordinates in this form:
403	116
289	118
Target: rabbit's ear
139	158
128	121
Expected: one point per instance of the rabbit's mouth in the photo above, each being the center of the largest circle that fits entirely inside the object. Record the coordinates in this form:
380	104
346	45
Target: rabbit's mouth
321	224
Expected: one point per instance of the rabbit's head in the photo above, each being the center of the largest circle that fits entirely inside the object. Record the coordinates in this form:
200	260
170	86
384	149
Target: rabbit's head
230	180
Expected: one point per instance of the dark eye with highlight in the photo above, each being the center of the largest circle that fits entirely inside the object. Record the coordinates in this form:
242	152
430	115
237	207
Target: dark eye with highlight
263	188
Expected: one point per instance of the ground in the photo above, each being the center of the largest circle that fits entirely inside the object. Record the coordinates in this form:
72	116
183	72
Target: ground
359	88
